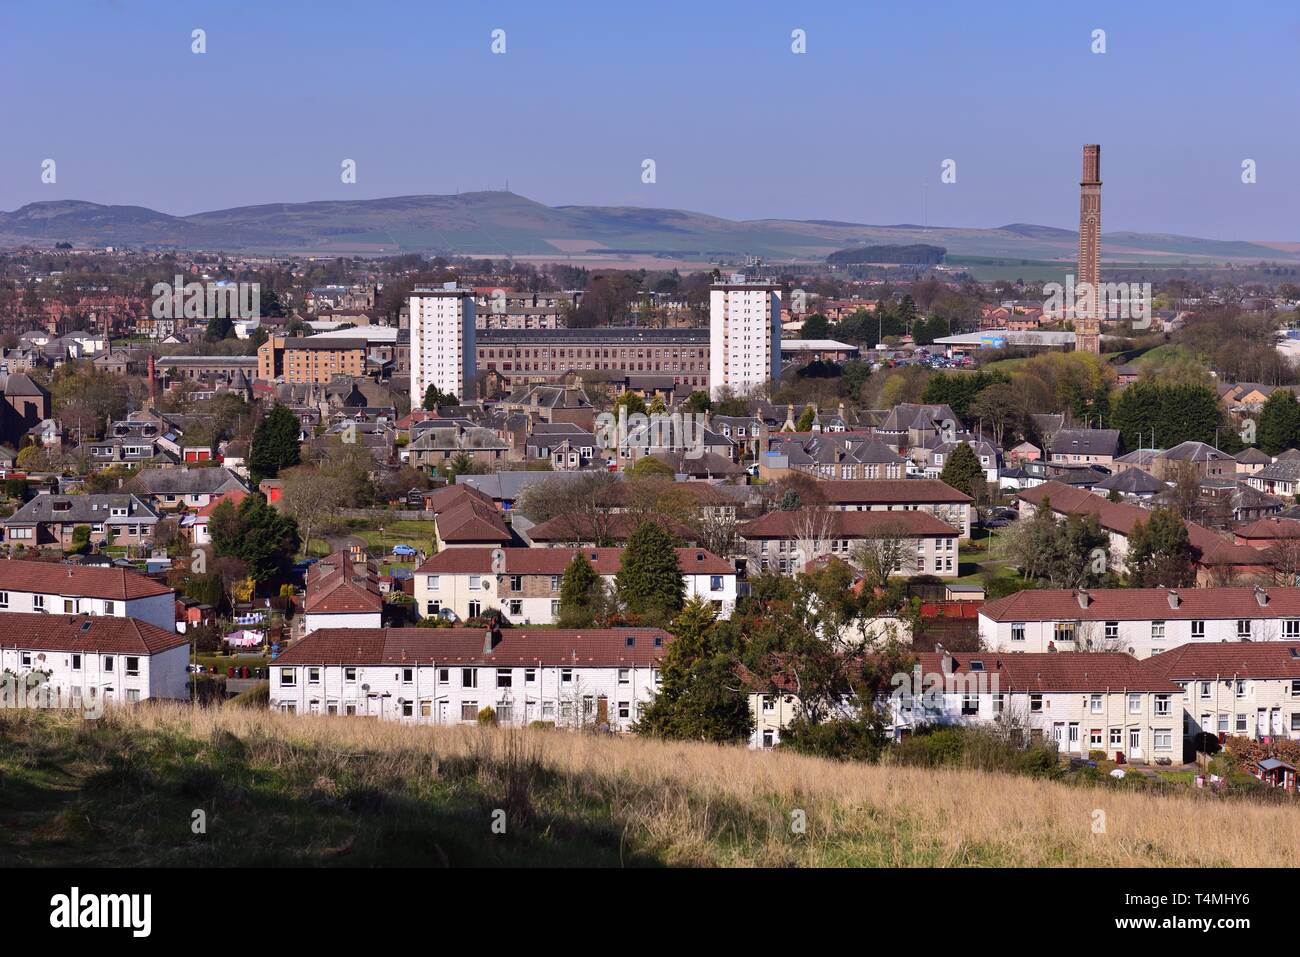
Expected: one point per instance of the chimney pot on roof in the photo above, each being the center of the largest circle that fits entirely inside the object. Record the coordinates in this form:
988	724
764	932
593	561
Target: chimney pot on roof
1261	596
1084	598
1174	599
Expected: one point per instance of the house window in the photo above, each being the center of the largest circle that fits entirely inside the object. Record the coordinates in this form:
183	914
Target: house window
1112	631
1164	739
474	583
1135	704
110	608
769	703
1241	688
475	609
555	583
516	582
313	676
431	581
566	676
625	710
350	675
1163	708
1291	628
1243	629
408	676
555	608
76	662
469	711
132	667
38	601
444	676
468	678
1064	631
1241	724
505	677
288	678
1205	689
1035	703
108	662
1295	688
516	607
1198	630
1116	737
970	703
408	709
715	583
530	676
1095	703
1223	722
1157	631
624	676
1018	631
4	599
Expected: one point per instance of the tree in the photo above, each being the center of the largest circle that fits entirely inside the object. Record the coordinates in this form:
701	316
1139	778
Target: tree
697	402
275	444
578	594
254	533
80	540
963	470
806	420
1279	423
700	696
647	466
887	552
649	578
1001	406
220	327
815	327
1159	553
435	398
633	402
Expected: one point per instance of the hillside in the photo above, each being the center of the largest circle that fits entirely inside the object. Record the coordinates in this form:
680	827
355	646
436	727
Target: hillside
280	790
505	224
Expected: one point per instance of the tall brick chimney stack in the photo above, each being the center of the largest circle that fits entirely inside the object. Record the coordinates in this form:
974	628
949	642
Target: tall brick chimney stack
1087	317
153	382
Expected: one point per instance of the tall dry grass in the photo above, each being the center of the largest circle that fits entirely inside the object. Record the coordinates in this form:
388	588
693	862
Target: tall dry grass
704	804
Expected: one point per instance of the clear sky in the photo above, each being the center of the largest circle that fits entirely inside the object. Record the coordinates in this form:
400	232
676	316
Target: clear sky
854	129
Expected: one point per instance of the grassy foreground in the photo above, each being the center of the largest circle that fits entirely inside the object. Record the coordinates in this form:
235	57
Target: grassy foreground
283	790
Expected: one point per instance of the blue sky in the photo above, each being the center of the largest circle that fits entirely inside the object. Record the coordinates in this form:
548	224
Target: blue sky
739	126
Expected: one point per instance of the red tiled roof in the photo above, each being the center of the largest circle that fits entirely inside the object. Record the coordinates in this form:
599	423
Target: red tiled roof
848	525
554	561
516	647
1270	529
1052	671
1120	517
1239	659
77	581
890	491
342	587
234	496
1143	604
33	631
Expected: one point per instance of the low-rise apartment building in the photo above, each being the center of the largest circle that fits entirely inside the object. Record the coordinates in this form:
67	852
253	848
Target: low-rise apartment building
588	678
903	495
916	543
89	661
1140	621
310	359
55	589
523	584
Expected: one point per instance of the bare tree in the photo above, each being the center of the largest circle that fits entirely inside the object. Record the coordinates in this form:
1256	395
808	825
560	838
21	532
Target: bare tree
885	553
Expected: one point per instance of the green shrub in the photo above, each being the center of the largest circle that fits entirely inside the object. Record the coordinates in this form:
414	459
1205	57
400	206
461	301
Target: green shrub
487	716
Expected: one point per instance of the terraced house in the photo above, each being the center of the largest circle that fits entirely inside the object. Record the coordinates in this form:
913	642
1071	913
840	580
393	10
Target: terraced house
1140	621
523	584
342	593
56	589
51	520
89	661
589	678
916	543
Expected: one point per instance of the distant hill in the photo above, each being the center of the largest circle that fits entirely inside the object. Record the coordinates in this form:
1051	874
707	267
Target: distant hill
498	224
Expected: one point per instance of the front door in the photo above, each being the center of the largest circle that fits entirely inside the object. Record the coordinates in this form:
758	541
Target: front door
442	712
1058	734
1074	736
1134	742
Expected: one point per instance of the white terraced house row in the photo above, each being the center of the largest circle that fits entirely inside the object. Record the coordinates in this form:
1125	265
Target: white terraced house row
576	679
523	584
89	661
1140	621
1081	701
55	589
1242	690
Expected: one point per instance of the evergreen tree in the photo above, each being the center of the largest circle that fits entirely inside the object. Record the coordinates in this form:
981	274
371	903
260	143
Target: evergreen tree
700	696
1279	423
275	444
220	327
649	579
435	398
1159	553
805	422
578	594
963	470
255	533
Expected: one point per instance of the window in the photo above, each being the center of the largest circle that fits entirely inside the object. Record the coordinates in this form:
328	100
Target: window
555	583
444	676
468	678
625	709
76	662
1205	689
516	607
110	608
4	599
431	581
1163	707
1164	739
1157	631
132	667
530	676
555	608
1241	724
350	675
1112	631
469	711
1295	688
1291	628
408	709
132	695
108	662
1094	703
505	677
715	583
38	601
624	676
408	676
1094	738
287	678
1198	630
1018	631
1223	722
1243	629
566	676
1064	631
1116	737
475	609
516	582
1135	704
970	703
474	583
1035	703
313	676
1241	688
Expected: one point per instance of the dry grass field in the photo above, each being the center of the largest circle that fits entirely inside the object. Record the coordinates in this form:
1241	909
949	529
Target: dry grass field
283	790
